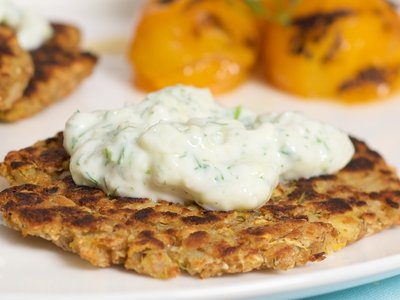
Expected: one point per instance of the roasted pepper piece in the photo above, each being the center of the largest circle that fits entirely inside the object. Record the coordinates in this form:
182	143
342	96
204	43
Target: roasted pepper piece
343	49
202	43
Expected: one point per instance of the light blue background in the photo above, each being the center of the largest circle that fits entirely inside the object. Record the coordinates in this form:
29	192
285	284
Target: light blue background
385	289
388	289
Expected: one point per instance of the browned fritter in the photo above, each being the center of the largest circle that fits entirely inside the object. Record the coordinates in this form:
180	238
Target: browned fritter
305	219
16	68
59	67
66	37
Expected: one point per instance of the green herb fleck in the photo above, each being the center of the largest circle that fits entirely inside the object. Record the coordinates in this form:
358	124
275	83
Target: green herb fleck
184	154
281	11
200	165
105	184
74	142
236	113
113	193
108	155
257	7
320	141
109	193
285	151
91	179
121	156
220	177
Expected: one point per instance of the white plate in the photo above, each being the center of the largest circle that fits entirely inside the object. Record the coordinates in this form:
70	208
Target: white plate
35	269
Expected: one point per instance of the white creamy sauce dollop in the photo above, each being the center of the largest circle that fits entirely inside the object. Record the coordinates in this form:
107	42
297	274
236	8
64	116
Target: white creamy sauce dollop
32	30
180	145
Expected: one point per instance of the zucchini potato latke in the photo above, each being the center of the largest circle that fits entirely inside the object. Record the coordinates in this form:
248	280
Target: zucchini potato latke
59	67
305	219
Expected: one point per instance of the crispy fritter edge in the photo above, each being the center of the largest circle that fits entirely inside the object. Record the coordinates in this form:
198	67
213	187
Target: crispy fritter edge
303	221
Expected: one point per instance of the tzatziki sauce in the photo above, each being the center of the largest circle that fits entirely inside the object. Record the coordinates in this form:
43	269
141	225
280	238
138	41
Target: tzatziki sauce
31	29
180	145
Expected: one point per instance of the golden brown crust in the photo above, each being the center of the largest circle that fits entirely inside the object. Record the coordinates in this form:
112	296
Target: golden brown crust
16	68
66	37
59	68
304	220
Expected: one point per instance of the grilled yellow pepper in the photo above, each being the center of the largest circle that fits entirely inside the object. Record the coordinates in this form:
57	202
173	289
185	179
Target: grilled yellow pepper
344	49
205	43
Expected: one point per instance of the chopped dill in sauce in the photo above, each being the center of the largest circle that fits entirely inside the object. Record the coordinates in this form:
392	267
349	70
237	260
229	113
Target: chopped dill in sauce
180	145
